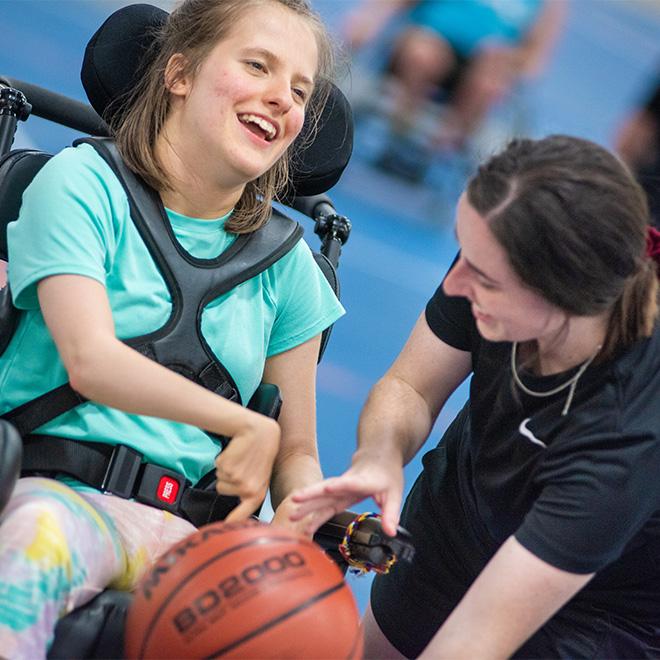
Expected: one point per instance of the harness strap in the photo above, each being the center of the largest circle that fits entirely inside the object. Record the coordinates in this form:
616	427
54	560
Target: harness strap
36	412
122	471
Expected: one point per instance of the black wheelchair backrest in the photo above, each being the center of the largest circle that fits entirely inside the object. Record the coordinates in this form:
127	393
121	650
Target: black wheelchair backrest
17	169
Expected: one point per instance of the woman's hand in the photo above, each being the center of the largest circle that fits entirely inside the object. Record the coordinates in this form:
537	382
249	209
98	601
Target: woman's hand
244	467
377	476
394	423
286	516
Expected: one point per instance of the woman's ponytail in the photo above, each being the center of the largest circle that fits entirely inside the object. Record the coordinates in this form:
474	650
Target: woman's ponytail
635	313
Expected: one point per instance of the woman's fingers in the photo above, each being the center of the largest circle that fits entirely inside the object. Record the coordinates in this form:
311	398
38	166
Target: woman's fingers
329	497
337	486
322	505
390	505
311	492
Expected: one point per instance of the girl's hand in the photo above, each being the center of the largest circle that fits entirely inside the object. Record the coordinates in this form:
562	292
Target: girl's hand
369	476
284	518
244	467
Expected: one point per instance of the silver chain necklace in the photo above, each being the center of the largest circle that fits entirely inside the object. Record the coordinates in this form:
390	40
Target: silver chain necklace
571	382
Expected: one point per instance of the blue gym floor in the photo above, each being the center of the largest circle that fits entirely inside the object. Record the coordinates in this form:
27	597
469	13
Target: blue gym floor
402	238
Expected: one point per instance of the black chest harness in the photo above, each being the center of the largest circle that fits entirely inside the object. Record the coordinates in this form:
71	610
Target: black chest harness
178	345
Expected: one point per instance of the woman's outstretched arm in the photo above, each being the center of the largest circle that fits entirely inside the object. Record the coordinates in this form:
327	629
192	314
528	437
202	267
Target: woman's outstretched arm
395	422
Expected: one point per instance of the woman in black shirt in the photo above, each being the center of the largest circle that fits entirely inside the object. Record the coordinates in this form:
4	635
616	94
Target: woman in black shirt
537	518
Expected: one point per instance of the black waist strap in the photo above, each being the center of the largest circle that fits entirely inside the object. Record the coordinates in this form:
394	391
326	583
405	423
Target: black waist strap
121	470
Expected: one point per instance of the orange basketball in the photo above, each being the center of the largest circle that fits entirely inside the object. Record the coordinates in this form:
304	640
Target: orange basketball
246	590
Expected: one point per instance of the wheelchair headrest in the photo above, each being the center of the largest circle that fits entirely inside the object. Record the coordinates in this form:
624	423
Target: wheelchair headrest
115	56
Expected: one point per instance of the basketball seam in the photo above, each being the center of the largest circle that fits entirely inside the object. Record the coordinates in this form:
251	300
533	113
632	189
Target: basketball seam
277	620
201	567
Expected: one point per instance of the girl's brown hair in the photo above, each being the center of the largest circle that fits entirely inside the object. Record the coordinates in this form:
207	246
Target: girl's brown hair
573	222
193	29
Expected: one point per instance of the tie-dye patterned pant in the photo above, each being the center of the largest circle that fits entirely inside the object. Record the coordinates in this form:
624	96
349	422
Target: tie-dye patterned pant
60	547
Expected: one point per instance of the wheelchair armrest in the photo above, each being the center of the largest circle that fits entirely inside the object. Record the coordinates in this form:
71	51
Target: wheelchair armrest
367	545
9	316
93	631
11	451
266	400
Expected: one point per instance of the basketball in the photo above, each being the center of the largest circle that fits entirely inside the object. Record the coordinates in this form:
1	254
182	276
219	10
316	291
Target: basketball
244	590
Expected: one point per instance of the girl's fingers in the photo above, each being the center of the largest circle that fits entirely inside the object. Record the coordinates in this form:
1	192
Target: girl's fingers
319	518
227	487
243	511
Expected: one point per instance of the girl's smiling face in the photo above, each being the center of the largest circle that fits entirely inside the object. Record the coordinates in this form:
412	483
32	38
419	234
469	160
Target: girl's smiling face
243	107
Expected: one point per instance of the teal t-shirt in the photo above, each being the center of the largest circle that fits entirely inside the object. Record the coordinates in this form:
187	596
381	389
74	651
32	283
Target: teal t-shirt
470	24
75	219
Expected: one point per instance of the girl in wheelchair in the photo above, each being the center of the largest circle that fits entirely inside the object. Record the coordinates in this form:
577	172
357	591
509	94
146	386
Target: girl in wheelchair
223	94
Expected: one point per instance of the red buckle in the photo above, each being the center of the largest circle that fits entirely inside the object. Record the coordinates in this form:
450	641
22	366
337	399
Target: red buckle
160	487
168	489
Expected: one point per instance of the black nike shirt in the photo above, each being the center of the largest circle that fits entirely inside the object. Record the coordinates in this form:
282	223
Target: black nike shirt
580	491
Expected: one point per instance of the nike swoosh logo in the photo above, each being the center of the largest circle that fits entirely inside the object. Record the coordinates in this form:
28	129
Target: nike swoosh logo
523	430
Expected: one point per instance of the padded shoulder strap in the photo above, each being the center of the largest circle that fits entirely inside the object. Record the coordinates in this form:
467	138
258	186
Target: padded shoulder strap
249	255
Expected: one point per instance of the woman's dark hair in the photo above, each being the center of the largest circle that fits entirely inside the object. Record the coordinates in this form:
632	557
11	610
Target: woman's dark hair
193	29
573	223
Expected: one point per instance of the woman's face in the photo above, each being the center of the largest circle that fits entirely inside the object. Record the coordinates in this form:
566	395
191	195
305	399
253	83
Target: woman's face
504	308
244	106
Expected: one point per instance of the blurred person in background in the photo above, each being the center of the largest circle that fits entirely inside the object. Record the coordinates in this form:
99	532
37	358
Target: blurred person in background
471	51
638	143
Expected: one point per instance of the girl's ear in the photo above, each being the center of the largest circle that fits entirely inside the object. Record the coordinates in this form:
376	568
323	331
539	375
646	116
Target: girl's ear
176	81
